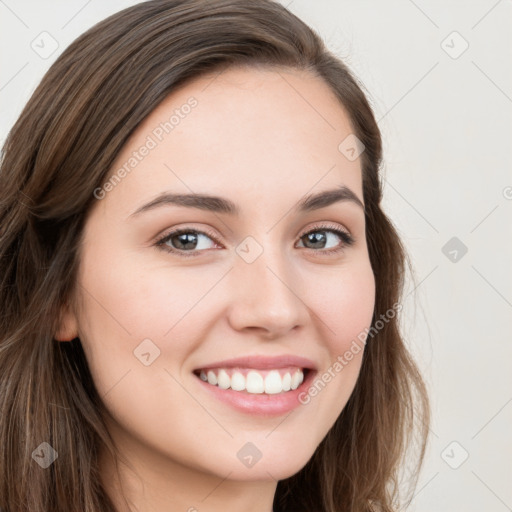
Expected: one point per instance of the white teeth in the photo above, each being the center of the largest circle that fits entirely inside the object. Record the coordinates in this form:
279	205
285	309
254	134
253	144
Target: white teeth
237	381
287	380
254	382
270	382
273	383
212	378
297	380
223	380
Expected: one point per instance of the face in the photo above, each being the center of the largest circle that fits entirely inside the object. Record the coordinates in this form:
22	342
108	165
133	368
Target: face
271	280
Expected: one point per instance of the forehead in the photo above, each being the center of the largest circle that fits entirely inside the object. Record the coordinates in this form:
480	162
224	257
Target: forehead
265	132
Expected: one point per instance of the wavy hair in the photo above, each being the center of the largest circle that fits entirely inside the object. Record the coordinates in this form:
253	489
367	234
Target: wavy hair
62	148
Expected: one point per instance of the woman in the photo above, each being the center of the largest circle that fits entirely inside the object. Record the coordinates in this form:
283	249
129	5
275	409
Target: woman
263	371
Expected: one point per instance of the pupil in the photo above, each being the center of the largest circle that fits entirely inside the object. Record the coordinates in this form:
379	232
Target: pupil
184	239
316	237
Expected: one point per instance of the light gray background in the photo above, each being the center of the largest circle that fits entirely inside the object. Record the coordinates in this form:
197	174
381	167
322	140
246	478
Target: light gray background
446	120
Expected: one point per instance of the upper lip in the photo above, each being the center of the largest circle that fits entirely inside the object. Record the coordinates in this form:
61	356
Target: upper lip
259	362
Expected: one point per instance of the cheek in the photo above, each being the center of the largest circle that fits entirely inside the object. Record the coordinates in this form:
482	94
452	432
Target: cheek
344	306
341	302
138	299
136	314
344	302
132	307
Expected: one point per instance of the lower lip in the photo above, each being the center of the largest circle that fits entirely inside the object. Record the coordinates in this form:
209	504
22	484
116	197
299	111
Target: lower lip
260	404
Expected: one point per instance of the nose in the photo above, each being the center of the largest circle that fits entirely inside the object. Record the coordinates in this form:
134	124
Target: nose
266	296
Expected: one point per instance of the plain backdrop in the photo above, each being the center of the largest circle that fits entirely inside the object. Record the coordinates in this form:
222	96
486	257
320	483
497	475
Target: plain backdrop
439	77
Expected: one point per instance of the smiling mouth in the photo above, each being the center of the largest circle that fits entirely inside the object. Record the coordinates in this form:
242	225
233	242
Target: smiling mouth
254	381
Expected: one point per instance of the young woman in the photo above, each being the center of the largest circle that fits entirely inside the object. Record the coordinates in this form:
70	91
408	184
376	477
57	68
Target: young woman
199	288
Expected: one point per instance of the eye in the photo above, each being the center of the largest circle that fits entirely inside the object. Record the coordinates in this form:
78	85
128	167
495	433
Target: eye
187	238
186	242
312	237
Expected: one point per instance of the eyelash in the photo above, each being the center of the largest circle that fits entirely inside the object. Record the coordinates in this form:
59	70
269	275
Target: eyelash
346	237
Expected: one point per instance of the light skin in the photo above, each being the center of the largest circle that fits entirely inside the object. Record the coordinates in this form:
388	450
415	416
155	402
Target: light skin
264	140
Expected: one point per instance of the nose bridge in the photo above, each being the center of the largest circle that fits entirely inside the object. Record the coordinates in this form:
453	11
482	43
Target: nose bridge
264	295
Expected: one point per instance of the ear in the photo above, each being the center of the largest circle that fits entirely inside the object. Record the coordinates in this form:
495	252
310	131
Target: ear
68	325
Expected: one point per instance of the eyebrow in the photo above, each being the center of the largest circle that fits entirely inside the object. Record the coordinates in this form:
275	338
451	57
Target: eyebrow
222	205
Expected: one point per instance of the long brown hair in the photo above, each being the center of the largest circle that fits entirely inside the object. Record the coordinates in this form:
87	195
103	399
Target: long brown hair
62	148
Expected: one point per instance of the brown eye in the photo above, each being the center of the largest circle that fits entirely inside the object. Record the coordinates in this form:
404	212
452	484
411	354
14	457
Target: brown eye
184	241
318	237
